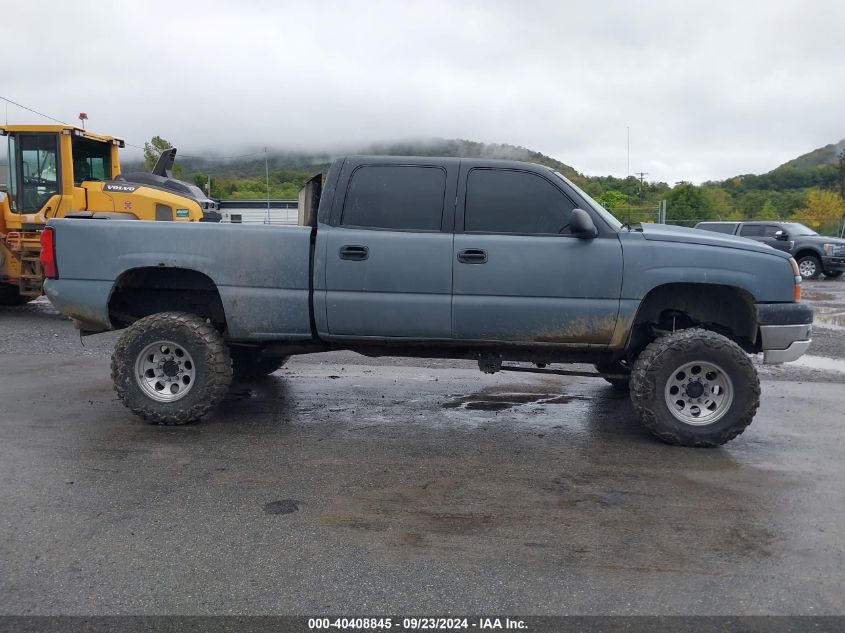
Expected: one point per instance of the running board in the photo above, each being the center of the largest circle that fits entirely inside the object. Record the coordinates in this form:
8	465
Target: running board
564	372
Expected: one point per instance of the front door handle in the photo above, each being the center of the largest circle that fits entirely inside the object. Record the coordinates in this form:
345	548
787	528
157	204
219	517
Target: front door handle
472	256
354	252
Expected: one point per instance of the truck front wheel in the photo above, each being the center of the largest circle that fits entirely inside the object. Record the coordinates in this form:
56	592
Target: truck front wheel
695	388
171	368
810	267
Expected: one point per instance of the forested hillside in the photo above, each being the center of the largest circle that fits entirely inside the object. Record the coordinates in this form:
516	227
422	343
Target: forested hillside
809	188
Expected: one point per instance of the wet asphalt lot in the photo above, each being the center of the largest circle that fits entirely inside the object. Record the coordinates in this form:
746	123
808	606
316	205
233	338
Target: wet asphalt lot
341	485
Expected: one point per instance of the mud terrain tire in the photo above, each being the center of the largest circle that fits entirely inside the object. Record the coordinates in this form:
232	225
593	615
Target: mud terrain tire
672	360
203	352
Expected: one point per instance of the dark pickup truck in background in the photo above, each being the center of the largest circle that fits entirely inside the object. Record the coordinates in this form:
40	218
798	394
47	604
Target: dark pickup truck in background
494	261
815	254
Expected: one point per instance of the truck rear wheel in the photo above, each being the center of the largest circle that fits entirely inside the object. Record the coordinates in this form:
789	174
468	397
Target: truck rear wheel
171	368
248	362
695	388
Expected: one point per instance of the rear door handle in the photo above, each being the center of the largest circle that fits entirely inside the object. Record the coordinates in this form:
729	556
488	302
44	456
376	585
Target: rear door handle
354	252
472	256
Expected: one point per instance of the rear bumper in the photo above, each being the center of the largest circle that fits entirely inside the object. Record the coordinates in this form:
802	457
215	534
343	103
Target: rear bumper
84	301
785	330
833	264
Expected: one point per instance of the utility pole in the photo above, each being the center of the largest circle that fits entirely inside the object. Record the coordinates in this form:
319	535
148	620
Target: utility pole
629	151
267	177
642	175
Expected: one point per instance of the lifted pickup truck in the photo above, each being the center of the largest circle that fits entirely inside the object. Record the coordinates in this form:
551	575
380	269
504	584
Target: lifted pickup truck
496	261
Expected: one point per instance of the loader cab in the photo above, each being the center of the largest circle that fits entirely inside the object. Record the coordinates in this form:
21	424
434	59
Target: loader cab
47	165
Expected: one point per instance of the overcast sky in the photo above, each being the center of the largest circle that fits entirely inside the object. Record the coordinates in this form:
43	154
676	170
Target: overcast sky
709	89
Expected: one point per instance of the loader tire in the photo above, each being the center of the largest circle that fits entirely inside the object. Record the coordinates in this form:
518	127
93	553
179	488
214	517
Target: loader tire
249	363
171	368
695	388
10	296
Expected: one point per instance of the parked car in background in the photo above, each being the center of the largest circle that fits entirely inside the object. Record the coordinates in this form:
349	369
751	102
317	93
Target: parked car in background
815	254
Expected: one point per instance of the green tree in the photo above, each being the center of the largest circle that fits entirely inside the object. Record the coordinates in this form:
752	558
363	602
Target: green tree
687	204
612	199
768	212
752	202
719	201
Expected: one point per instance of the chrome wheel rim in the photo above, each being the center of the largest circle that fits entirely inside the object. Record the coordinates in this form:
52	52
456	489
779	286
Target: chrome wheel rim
699	393
807	268
165	371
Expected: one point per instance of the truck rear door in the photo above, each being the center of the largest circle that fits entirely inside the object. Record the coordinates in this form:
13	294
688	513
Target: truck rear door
388	250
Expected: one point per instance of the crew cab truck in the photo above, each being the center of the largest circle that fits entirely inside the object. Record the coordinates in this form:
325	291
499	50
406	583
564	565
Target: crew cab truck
496	261
815	254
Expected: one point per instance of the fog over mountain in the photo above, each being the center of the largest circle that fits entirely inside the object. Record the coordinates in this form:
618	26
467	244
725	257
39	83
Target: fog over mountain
709	89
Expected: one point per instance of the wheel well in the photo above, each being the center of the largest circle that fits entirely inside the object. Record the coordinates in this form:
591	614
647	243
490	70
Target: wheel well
143	291
806	251
724	309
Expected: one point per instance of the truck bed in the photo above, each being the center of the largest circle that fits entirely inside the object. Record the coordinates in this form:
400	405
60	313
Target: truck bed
261	272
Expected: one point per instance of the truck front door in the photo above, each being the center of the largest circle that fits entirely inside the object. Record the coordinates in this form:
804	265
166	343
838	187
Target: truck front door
519	273
388	253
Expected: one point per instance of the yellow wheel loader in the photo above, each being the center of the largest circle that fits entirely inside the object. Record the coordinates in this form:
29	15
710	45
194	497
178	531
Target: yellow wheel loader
64	171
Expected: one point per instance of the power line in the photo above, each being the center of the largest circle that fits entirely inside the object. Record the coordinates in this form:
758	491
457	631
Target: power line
55	120
46	116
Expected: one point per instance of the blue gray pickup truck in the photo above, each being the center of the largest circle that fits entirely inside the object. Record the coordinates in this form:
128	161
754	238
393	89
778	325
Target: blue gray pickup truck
496	261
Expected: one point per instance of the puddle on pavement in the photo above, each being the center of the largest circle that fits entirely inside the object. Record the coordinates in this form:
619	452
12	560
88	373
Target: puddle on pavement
283	506
237	392
830	318
815	295
505	400
820	362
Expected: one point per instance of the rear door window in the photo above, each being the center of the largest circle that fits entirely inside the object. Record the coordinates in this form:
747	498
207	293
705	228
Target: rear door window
398	197
516	202
751	230
718	227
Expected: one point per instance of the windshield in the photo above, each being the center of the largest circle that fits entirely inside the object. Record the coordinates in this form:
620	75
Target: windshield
604	213
795	228
91	160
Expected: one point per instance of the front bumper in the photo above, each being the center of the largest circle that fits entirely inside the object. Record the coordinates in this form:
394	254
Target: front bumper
833	264
785	330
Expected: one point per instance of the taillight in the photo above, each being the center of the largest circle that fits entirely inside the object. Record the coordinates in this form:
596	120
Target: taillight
48	254
796	276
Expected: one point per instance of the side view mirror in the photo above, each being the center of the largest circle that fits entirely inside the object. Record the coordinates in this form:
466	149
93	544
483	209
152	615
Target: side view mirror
582	225
782	236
